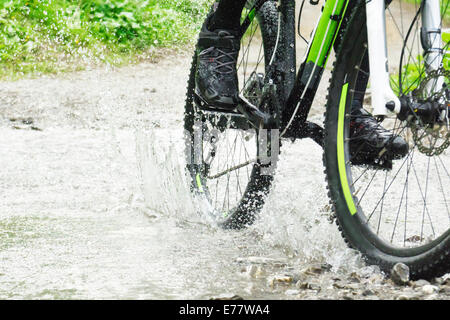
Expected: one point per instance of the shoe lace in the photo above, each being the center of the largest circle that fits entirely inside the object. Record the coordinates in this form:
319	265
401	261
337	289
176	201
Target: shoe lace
225	61
366	126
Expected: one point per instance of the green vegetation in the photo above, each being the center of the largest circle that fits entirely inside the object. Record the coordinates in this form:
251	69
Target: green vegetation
414	72
45	36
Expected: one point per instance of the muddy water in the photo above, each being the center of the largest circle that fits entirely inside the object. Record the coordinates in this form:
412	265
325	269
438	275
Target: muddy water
94	204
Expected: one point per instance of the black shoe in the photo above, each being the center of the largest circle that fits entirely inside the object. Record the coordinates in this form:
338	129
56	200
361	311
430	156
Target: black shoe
371	143
216	77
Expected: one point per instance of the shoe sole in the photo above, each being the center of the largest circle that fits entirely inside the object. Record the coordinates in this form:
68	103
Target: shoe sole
205	105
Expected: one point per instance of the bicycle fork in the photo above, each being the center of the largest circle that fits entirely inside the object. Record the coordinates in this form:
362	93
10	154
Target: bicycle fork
384	100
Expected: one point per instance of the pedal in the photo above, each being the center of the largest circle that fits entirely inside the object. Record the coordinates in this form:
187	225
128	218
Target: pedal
204	106
267	114
258	118
245	109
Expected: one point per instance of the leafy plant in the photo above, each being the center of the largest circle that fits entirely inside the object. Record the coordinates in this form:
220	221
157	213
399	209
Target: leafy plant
54	35
413	73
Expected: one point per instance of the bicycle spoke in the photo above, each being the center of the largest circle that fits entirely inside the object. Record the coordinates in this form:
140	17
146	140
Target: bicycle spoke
426	193
382	203
423	198
401	199
393	179
441	187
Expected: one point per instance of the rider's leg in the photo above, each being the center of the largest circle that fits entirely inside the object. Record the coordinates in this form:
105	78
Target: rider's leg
218	48
368	136
227	15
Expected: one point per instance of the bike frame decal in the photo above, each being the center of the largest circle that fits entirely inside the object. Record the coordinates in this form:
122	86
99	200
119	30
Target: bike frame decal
252	14
338	29
326	31
199	183
341	153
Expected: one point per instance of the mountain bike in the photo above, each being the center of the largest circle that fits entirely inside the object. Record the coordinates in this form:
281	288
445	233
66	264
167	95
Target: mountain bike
390	209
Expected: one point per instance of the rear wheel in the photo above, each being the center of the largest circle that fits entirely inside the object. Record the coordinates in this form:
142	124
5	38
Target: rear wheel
393	210
229	182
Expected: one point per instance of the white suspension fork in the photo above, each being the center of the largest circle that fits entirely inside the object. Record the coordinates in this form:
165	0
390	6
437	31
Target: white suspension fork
382	93
432	41
381	90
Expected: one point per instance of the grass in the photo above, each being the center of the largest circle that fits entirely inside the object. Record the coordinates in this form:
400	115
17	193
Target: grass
49	36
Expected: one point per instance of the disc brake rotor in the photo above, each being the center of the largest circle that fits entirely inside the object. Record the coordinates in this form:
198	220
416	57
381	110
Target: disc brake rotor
432	140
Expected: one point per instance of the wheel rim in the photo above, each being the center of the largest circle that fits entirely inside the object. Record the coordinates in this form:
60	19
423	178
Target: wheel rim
405	208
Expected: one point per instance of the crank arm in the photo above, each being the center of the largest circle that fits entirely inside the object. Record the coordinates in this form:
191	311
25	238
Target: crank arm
257	117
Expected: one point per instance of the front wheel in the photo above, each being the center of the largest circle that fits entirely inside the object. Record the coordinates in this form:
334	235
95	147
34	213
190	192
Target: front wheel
393	210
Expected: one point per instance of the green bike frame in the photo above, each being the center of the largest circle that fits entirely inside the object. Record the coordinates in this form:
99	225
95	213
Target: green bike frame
298	102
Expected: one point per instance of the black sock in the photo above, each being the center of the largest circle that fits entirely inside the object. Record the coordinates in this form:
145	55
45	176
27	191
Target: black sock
227	15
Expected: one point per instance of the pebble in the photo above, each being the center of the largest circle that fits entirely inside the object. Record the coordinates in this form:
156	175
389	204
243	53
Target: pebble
420	283
444	280
445	289
283	280
251	270
317	269
429	289
407	297
376	278
400	274
355	278
27	121
255	271
368	292
339	285
292	292
260	273
227	296
299	277
352	286
308	285
262	260
372	297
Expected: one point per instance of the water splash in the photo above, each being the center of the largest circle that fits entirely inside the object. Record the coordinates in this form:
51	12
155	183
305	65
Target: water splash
163	179
296	216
